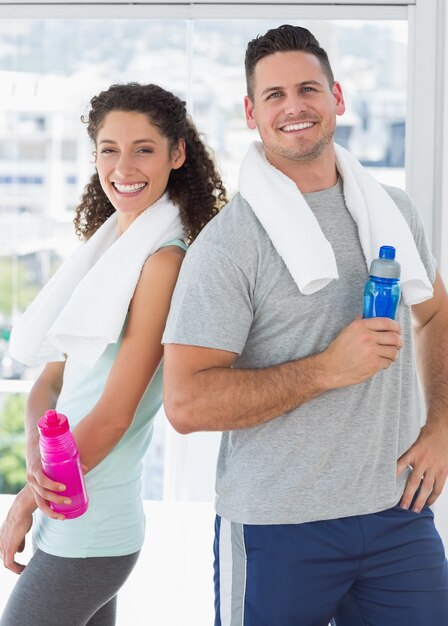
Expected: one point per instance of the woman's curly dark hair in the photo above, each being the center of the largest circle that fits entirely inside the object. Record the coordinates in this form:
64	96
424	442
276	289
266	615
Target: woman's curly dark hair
196	187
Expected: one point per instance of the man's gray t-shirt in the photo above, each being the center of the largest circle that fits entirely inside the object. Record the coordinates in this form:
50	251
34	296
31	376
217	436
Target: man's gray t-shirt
335	455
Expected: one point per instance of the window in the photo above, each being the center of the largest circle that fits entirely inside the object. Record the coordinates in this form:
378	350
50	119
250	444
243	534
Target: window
52	68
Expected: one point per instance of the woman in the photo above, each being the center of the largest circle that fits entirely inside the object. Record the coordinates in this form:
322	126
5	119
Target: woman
98	323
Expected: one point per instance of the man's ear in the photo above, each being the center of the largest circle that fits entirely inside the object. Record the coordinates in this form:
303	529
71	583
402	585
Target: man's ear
249	110
339	97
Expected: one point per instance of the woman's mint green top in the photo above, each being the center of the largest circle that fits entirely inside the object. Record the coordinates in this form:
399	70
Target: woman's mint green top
114	523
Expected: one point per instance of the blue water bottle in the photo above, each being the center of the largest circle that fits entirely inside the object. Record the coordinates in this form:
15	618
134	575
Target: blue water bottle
382	291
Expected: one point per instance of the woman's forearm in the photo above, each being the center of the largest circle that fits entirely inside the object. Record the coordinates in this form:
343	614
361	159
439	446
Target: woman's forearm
24	502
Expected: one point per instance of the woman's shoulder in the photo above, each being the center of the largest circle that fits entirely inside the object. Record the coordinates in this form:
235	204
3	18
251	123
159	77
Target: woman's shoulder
162	264
155	286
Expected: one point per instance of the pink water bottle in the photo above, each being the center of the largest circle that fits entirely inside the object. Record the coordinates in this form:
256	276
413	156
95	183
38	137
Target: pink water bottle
61	463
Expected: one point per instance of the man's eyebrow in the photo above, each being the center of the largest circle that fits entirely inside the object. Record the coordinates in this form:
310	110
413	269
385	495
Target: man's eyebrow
280	88
269	89
310	82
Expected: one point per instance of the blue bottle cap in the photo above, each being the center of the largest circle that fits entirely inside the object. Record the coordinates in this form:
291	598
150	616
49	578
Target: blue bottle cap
387	252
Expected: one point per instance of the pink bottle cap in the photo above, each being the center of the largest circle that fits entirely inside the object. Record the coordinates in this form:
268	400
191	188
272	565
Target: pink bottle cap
53	424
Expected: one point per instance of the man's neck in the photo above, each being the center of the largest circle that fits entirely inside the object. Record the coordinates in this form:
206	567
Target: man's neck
309	176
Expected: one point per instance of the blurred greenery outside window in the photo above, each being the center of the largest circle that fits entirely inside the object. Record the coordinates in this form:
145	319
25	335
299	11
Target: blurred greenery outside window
12	443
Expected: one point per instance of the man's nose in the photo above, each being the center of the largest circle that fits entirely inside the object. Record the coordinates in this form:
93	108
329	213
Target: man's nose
294	104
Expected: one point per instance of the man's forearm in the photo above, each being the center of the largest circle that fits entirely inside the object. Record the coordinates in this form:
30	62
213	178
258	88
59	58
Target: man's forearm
428	454
203	392
231	398
432	359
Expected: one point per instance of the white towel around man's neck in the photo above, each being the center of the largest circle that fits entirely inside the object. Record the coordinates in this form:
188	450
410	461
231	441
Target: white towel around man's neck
84	305
298	238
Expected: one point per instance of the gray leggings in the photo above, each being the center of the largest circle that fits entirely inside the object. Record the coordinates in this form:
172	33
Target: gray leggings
52	591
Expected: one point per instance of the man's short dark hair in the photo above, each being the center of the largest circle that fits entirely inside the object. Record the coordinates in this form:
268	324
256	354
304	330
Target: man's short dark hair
285	38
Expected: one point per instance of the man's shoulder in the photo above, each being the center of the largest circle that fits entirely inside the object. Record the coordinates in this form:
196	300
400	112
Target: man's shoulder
404	203
233	228
399	196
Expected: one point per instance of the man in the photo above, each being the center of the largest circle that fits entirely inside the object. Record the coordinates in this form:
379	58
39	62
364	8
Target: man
324	473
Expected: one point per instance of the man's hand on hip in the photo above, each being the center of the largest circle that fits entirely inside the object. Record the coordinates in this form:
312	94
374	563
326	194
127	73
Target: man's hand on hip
428	458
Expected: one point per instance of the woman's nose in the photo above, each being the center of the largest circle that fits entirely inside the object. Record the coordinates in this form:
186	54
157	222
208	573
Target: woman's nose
124	164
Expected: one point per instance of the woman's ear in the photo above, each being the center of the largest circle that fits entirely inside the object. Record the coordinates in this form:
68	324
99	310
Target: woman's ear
178	155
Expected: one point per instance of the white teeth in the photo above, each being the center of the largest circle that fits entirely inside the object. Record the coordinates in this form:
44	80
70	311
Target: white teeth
129	188
298	126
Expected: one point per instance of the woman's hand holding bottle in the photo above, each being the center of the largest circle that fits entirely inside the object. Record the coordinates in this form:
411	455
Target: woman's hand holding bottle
43	488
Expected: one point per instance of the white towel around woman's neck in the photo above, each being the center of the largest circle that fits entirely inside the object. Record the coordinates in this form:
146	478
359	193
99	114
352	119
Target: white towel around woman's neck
84	305
298	238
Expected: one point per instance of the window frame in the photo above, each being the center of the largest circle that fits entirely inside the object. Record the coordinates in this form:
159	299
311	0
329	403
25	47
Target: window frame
212	9
426	156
